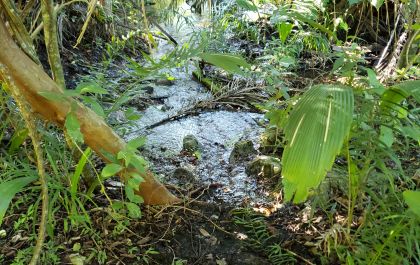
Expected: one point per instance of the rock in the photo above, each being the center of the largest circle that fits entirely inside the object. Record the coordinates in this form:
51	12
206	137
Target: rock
190	144
241	151
148	90
164	82
265	166
270	140
184	174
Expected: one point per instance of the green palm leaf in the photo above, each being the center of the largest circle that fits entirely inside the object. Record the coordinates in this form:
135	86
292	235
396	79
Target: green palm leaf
315	132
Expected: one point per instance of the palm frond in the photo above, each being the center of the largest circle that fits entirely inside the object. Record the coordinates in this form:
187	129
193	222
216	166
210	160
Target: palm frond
315	132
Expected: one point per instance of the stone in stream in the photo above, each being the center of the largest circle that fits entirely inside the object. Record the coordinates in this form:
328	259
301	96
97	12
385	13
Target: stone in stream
265	166
241	151
164	82
190	143
184	174
148	89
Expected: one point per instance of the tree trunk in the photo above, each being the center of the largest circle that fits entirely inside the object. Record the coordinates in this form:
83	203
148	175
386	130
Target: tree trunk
30	79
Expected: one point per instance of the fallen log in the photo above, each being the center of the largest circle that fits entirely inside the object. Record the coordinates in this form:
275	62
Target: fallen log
31	80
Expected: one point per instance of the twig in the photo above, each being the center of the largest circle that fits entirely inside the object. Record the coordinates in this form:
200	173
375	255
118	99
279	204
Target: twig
163	31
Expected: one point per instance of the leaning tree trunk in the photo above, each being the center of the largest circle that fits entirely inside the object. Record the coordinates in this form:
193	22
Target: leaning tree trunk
31	80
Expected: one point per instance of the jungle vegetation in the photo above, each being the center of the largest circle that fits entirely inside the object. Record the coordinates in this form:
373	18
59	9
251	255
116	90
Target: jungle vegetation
337	83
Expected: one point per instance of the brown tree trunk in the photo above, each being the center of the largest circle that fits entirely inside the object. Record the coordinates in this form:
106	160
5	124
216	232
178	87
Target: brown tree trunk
30	79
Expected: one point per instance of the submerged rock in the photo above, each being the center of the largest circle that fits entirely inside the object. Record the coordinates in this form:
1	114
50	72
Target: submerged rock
184	174
164	82
265	166
242	151
148	89
190	143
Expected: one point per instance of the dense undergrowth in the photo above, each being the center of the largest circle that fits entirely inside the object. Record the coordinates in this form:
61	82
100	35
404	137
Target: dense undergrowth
342	114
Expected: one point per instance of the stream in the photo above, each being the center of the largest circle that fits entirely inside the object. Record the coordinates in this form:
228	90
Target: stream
217	131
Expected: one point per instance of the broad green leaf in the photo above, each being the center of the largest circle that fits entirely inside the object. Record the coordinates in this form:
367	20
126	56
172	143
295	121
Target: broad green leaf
91	87
95	106
284	30
72	126
139	163
17	139
131	115
136	142
110	170
247	5
313	24
131	186
412	132
315	132
229	62
374	82
53	96
386	136
287	61
133	210
411	88
376	3
126	156
276	117
71	93
8	190
392	97
412	198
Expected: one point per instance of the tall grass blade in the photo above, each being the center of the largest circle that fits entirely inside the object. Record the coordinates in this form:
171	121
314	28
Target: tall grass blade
8	190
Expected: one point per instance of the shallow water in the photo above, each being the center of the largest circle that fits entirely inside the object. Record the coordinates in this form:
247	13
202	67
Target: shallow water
217	131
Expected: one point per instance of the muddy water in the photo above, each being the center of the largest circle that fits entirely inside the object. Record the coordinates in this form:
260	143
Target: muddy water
216	131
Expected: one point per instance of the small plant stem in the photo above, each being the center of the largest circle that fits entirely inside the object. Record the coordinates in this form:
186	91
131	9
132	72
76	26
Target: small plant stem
349	208
49	17
146	24
30	124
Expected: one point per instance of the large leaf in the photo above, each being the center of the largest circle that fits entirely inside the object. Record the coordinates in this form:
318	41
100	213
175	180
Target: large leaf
229	62
393	96
8	190
247	5
412	198
315	132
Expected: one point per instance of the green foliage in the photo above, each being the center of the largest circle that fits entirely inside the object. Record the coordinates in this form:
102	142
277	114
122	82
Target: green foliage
75	178
247	5
8	189
17	140
230	63
258	237
315	131
72	126
412	198
284	30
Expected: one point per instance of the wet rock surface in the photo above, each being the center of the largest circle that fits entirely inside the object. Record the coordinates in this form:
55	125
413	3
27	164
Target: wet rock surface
190	143
264	166
242	151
